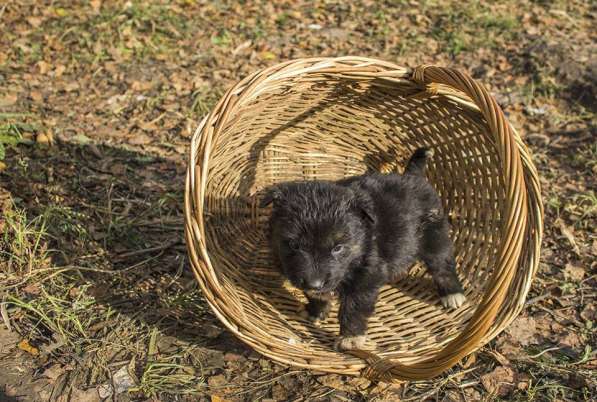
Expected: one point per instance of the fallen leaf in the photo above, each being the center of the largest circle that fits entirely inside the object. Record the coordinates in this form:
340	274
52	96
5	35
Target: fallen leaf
140	139
332	381
500	381
105	391
8	340
568	233
53	372
523	330
589	313
82	139
43	67
32	289
573	272
233	357
267	55
241	47
9	99
118	169
96	5
24	345
71	86
500	358
2	166
122	380
36	96
217	381
452	396
571	339
141	85
59	70
60	12
46	138
88	395
34	21
216	398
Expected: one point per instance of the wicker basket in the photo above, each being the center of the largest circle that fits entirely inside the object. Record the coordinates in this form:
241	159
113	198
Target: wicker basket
327	118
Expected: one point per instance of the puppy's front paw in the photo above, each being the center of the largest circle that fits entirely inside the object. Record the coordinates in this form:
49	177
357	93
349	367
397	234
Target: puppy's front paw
351	342
454	300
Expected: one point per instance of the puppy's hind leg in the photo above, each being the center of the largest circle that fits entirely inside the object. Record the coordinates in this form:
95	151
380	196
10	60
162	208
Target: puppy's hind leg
437	253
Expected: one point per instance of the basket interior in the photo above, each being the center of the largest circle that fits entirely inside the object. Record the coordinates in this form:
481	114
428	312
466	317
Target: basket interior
329	130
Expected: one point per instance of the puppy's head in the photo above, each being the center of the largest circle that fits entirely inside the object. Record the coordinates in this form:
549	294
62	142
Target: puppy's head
317	229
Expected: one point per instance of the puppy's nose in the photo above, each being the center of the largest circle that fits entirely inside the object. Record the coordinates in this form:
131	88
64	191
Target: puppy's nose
315	284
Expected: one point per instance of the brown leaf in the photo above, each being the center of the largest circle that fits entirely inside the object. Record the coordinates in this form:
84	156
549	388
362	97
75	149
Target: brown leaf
36	96
217	381
500	358
32	289
9	99
43	67
573	272
333	381
216	398
523	330
24	345
88	395
241	47
118	169
53	372
140	139
71	86
34	21
568	233
148	126
589	313
500	381
59	70
46	138
96	5
142	85
571	339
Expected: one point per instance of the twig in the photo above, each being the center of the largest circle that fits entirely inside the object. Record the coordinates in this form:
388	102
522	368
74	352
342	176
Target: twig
59	270
556	315
537	299
545	351
146	250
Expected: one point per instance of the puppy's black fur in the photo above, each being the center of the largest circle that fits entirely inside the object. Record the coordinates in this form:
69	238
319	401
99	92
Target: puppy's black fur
350	237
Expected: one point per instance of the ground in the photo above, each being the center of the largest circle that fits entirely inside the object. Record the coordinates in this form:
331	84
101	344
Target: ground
98	101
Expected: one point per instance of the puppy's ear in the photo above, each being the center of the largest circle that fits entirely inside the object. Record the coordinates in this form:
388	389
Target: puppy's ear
366	211
364	207
272	194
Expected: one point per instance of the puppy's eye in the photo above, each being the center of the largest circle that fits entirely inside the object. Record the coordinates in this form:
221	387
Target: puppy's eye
338	249
293	244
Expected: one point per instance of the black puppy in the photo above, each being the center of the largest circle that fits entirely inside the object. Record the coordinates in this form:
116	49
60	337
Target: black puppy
348	238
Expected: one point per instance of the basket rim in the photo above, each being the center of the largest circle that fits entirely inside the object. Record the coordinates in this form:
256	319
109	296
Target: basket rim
523	217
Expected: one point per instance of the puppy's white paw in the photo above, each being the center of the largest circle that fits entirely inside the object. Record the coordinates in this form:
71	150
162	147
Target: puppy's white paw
351	342
454	300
